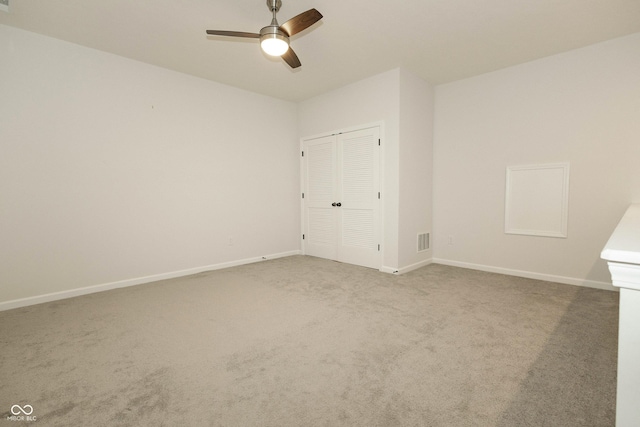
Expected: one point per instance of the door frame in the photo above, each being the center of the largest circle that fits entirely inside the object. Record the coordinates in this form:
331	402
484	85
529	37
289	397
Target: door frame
381	157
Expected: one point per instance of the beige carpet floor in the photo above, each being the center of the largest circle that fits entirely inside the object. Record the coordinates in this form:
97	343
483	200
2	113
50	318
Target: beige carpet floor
302	341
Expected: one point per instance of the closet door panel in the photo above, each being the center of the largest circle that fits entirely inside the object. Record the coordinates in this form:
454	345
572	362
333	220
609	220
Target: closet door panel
358	221
320	166
358	229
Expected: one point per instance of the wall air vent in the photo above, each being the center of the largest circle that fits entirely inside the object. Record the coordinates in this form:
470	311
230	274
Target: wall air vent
4	5
423	242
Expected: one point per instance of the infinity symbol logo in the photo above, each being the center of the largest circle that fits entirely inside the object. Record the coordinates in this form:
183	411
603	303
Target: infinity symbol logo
17	409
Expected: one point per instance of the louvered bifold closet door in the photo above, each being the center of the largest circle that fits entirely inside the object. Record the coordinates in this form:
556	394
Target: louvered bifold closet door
320	192
358	186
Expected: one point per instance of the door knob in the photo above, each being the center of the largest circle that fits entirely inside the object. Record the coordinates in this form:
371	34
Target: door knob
333	204
338	204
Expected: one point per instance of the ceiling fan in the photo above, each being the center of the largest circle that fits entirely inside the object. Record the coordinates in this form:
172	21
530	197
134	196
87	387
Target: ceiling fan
274	38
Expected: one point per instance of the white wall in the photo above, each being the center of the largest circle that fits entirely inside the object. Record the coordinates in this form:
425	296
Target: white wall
416	168
111	169
583	107
376	99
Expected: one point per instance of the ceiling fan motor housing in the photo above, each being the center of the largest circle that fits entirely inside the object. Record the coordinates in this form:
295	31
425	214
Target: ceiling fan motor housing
272	31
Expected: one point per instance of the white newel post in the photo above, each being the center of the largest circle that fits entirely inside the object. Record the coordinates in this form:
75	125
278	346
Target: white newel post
622	253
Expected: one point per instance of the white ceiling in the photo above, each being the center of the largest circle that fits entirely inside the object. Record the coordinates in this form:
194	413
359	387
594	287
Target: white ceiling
439	40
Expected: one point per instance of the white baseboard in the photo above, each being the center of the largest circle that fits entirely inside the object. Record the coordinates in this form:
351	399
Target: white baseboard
406	269
39	299
529	274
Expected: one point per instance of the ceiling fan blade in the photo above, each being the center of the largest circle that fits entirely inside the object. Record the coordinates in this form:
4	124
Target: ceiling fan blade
301	22
291	58
233	34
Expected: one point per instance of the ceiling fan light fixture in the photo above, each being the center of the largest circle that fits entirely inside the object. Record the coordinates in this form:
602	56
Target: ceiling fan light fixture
274	43
274	38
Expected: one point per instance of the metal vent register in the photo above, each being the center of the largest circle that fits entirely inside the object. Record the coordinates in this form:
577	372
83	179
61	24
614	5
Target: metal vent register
423	242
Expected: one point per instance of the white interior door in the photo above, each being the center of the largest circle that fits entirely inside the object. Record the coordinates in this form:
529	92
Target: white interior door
320	182
341	200
358	186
